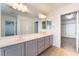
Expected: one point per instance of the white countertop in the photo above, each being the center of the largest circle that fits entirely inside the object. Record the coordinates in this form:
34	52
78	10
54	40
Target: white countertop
11	40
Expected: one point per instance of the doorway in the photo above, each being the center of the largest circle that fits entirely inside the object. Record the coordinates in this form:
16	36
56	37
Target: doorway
36	27
68	31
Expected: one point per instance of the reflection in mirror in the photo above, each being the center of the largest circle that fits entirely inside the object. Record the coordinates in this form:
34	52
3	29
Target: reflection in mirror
49	24
43	24
36	27
8	21
8	25
15	22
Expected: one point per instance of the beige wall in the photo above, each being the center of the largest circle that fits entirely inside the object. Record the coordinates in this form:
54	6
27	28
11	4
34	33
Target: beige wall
55	16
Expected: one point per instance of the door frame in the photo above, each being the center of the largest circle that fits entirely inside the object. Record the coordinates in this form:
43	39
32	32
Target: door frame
77	17
35	27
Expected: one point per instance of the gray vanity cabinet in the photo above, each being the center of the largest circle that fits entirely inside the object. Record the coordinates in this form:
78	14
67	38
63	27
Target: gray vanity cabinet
51	39
47	42
1	52
14	50
31	47
40	47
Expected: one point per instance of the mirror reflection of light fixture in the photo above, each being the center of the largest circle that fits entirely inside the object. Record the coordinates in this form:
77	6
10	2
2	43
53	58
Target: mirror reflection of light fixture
25	9
19	6
14	6
41	15
70	16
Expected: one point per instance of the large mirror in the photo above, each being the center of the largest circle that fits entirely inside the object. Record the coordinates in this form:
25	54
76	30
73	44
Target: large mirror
15	22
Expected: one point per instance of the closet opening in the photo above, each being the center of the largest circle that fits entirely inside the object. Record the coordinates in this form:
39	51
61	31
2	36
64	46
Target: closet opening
68	31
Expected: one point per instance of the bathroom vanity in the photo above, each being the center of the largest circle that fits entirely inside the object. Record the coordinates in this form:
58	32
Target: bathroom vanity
25	45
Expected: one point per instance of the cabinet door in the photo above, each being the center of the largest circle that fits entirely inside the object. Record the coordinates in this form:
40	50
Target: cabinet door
15	50
40	46
32	48
1	52
51	39
47	42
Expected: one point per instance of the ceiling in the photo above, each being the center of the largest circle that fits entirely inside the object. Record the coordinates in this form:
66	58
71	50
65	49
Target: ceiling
36	8
46	8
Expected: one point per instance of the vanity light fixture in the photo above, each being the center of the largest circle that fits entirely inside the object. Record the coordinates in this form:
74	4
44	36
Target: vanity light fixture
19	6
14	6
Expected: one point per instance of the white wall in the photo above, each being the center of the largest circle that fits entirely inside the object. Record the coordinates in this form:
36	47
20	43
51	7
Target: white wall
55	16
